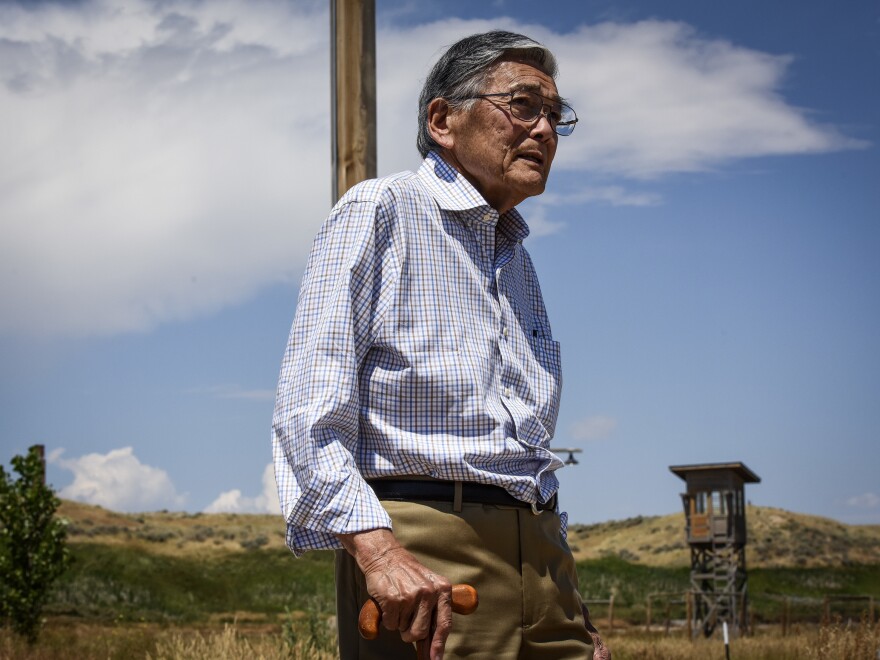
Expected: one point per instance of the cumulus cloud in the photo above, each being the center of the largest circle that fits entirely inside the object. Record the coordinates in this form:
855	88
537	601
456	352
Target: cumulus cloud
171	158
596	427
232	501
864	501
118	480
168	159
657	97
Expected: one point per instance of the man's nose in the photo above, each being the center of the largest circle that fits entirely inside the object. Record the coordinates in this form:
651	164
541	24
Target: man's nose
542	128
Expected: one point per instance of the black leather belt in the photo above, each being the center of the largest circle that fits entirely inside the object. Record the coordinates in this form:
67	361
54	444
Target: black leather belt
405	490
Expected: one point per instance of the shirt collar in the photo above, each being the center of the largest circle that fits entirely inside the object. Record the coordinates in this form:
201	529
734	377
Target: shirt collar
453	192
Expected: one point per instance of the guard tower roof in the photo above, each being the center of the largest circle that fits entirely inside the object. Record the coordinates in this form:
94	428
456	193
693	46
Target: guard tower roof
739	469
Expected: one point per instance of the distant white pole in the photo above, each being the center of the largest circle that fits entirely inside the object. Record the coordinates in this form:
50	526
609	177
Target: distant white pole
726	641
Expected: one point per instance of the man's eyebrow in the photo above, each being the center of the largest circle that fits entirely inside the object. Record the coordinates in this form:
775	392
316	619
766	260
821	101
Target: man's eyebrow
533	87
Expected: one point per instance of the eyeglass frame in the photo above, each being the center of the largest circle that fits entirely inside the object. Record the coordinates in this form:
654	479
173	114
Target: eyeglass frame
540	112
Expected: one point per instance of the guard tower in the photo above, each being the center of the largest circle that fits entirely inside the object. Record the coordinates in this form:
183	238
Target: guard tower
715	514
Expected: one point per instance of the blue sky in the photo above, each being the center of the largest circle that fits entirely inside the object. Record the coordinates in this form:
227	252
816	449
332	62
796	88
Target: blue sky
707	245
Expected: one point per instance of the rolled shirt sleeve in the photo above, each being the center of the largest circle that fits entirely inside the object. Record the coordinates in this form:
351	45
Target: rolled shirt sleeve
315	424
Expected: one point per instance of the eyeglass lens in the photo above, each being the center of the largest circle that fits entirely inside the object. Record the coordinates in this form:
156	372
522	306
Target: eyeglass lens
528	105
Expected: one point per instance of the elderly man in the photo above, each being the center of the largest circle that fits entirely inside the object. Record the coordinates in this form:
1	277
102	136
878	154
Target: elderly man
420	386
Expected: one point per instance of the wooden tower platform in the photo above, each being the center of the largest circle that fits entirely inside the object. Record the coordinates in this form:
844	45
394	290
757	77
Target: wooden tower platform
715	514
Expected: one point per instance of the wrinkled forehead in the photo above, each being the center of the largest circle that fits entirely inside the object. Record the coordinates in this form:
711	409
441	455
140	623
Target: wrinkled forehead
510	74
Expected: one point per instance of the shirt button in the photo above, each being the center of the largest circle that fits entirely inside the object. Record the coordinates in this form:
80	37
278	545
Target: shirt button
507	392
487	217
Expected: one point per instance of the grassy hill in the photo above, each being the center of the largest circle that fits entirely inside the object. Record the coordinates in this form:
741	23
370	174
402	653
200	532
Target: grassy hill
172	533
209	568
777	538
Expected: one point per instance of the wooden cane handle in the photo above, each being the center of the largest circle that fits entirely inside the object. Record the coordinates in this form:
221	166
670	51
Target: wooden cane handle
464	601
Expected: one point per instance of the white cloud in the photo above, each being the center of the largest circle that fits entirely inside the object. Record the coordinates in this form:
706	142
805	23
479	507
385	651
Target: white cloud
168	160
596	427
232	501
613	195
539	217
171	158
540	209
118	481
656	97
864	501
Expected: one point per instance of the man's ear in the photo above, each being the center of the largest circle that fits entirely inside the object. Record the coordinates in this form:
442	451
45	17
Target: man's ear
438	123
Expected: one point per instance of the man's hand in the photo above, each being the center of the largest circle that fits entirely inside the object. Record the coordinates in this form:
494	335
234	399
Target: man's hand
413	599
600	651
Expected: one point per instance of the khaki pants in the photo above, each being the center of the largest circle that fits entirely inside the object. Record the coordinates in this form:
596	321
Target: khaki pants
530	607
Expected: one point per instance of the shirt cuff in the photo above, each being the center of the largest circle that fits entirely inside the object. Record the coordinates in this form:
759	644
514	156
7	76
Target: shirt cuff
329	504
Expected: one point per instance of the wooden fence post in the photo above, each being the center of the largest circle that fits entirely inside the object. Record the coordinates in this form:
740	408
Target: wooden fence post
786	614
611	614
690	614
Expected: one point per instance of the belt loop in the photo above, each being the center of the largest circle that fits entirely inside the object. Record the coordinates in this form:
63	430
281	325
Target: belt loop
456	497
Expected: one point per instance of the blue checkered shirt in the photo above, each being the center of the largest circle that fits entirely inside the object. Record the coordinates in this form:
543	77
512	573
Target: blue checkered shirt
420	347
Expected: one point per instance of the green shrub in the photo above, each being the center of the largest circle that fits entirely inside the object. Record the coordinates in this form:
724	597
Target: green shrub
33	553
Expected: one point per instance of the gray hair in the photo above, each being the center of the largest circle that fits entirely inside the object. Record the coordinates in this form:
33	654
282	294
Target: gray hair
462	71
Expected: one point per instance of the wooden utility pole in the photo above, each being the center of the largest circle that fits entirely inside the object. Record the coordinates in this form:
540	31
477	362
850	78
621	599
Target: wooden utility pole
353	89
41	452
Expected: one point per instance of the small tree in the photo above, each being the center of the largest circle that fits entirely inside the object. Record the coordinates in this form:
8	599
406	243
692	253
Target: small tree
33	553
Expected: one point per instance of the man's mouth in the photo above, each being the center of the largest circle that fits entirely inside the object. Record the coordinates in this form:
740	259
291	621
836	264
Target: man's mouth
533	157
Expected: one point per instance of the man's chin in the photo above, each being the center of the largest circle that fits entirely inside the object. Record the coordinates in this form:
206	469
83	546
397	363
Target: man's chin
530	188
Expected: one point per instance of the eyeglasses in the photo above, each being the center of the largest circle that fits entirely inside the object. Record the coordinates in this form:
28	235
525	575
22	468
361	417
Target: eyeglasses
528	106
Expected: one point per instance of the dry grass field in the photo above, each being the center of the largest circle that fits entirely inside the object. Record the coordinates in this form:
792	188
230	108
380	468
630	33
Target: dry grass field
75	642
